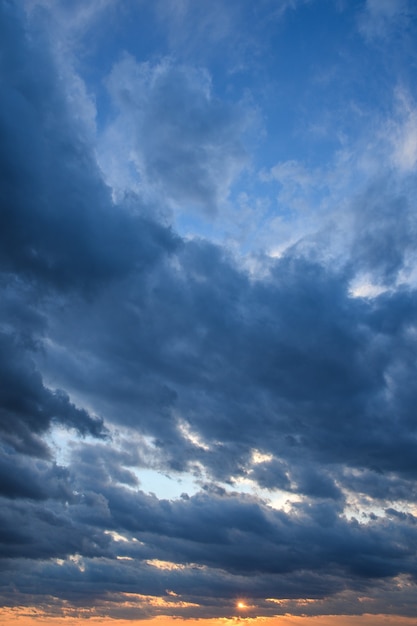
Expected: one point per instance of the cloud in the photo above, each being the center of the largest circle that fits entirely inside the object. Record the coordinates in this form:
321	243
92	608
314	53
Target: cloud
23	477
210	543
403	133
74	17
28	408
384	232
293	364
58	220
153	352
381	18
217	31
183	144
189	24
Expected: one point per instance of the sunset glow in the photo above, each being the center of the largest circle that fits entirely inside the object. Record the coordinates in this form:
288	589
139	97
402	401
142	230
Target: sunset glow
32	617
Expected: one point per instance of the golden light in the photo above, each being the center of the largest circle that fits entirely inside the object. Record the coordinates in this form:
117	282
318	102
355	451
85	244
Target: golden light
241	605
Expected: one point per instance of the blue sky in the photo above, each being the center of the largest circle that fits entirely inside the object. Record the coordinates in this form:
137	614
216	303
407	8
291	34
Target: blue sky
208	280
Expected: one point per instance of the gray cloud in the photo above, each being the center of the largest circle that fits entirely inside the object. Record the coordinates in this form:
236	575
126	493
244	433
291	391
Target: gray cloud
28	408
58	221
184	144
384	220
229	539
111	325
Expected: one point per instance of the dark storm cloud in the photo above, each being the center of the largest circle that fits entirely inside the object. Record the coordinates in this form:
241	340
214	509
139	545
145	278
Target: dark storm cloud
33	531
292	366
57	227
309	552
22	477
285	380
57	220
382	486
239	535
27	407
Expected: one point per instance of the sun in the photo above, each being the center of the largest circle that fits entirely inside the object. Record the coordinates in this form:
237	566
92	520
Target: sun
241	605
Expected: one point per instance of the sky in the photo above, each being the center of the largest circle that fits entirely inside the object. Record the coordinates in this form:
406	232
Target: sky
208	312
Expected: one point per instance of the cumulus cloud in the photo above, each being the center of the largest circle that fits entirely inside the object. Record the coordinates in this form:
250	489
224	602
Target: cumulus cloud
183	144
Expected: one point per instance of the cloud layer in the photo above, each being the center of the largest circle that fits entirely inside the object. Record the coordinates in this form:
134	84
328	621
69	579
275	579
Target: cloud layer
280	388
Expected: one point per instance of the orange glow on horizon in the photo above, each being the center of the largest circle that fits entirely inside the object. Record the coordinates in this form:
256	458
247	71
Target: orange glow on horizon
32	616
